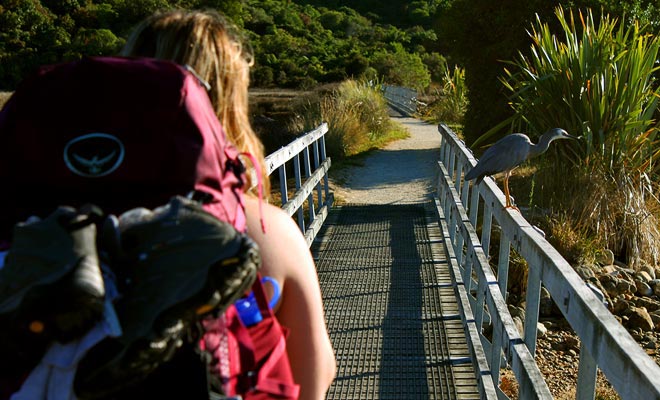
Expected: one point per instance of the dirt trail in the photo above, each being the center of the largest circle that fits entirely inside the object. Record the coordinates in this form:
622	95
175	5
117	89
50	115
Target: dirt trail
401	173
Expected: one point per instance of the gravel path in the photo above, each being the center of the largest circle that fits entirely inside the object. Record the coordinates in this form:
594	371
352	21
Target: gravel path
401	173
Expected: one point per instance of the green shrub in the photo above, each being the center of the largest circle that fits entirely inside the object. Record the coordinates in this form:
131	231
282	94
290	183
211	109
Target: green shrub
401	68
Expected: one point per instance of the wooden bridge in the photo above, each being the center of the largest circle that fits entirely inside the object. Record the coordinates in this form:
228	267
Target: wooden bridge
408	289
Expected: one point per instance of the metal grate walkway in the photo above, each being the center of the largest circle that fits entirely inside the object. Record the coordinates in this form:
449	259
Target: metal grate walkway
390	305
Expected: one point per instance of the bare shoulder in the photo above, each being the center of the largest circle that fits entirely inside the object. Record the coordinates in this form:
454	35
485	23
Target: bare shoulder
282	245
276	220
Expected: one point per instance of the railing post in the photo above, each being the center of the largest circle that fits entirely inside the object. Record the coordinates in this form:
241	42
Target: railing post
296	172
308	173
474	205
486	228
467	271
588	369
325	177
317	162
587	374
495	356
283	189
459	172
532	304
451	166
503	264
465	193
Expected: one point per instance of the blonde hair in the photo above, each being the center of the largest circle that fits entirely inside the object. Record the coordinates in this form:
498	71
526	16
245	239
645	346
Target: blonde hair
215	49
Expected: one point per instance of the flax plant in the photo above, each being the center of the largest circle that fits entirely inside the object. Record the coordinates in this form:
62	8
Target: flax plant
595	80
452	100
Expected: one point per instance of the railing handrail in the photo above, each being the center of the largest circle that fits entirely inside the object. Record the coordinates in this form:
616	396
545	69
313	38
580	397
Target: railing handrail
317	209
604	341
531	382
402	99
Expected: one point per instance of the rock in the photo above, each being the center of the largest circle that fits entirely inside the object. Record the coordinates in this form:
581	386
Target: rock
636	333
649	270
519	325
651	345
625	287
585	272
608	269
621	307
650	304
545	303
609	283
557	346
624	269
516	312
643	276
643	289
655	317
572	342
639	319
541	330
605	257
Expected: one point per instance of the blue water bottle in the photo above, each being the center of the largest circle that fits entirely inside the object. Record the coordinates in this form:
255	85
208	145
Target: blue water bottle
247	307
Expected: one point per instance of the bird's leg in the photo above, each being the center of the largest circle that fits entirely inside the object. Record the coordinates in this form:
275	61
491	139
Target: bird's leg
507	193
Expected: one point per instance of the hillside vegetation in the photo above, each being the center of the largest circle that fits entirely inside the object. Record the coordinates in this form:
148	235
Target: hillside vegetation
488	68
297	45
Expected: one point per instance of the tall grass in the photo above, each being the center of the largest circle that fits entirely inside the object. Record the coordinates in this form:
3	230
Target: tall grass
595	79
357	117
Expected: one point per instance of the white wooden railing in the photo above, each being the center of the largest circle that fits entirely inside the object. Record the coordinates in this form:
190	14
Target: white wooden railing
605	343
311	209
402	99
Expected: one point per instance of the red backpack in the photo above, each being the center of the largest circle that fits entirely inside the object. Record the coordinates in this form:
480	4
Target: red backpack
119	133
126	133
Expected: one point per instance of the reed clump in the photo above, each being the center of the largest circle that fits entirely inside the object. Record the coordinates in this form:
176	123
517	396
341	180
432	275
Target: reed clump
357	117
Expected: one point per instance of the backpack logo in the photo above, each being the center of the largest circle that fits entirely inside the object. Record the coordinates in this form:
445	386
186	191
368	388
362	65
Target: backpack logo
94	155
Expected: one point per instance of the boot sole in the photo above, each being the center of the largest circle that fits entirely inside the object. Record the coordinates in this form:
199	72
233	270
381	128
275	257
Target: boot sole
226	281
58	310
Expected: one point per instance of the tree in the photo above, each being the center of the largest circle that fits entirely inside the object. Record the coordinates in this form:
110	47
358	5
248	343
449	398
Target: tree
96	42
28	38
398	67
479	34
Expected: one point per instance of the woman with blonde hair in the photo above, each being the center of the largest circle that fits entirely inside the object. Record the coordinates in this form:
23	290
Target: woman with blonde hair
214	48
